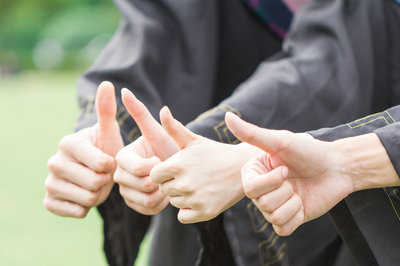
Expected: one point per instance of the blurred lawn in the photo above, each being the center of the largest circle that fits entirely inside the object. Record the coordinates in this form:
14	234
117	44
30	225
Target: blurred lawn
36	110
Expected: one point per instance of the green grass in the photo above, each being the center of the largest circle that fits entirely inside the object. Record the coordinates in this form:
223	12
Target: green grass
36	110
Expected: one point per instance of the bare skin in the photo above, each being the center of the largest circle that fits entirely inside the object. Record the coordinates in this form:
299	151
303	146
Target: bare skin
299	178
136	160
203	178
82	169
200	192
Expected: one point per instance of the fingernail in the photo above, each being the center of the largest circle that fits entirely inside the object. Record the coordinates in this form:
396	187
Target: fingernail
105	82
284	172
124	90
167	111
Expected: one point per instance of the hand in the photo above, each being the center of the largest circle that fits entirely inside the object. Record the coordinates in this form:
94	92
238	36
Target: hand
203	178
297	179
81	171
136	160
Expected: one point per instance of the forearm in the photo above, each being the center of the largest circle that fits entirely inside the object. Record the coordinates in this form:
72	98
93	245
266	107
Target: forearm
383	124
365	162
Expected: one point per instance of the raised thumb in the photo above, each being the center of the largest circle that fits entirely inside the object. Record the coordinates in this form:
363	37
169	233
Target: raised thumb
160	142
149	127
182	136
106	106
266	139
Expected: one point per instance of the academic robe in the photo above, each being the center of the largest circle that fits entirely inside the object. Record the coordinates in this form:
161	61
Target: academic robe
189	55
369	220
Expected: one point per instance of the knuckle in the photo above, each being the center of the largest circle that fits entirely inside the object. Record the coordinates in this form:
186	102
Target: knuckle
138	170
249	189
102	164
276	219
47	203
65	142
149	202
282	230
209	213
48	183
119	156
52	164
117	177
123	192
133	206
95	182
265	205
148	186
90	199
80	213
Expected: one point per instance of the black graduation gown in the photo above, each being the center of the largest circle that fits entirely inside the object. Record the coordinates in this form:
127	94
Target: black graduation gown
369	220
191	54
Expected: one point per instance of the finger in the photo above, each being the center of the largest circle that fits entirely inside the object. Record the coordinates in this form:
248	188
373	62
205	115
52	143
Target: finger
187	216
182	136
142	184
285	212
179	202
253	168
289	227
86	153
146	122
146	200
77	173
65	208
106	107
171	188
66	191
165	171
145	210
257	165
258	185
150	128
269	202
265	139
134	164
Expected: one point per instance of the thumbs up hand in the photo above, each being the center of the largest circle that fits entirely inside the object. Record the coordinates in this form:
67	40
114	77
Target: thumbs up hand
82	169
136	160
203	178
296	179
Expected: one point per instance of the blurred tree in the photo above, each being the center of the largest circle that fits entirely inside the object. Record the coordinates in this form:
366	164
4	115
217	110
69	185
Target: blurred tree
73	23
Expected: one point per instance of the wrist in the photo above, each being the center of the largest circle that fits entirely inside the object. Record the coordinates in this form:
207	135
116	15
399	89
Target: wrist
365	163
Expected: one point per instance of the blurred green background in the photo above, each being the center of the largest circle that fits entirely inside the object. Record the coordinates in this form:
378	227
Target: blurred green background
44	46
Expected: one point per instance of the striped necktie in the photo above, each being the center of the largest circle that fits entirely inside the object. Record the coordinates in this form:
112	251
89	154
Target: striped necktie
277	14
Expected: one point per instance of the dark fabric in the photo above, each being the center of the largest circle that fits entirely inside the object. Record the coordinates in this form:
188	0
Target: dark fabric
337	64
173	244
369	220
275	13
178	53
133	227
314	243
187	56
